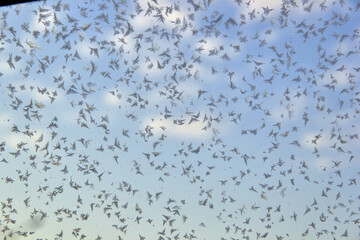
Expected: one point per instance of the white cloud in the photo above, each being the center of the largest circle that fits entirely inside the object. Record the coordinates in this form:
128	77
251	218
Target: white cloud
301	11
141	22
258	5
13	139
155	72
189	131
340	77
272	37
294	109
39	97
323	140
193	130
189	89
171	18
115	98
36	25
321	163
210	44
5	68
83	49
204	74
273	4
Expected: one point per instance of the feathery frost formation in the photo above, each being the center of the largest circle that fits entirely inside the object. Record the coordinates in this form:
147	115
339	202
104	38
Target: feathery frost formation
197	119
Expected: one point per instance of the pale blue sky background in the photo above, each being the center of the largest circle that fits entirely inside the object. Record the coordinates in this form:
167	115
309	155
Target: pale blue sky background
236	128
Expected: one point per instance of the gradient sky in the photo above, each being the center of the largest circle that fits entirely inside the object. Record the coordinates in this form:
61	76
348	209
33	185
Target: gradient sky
234	115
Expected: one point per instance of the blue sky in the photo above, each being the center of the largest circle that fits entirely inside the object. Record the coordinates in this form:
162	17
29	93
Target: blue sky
180	119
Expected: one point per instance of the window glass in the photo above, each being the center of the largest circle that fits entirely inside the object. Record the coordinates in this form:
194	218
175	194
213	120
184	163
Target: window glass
162	119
